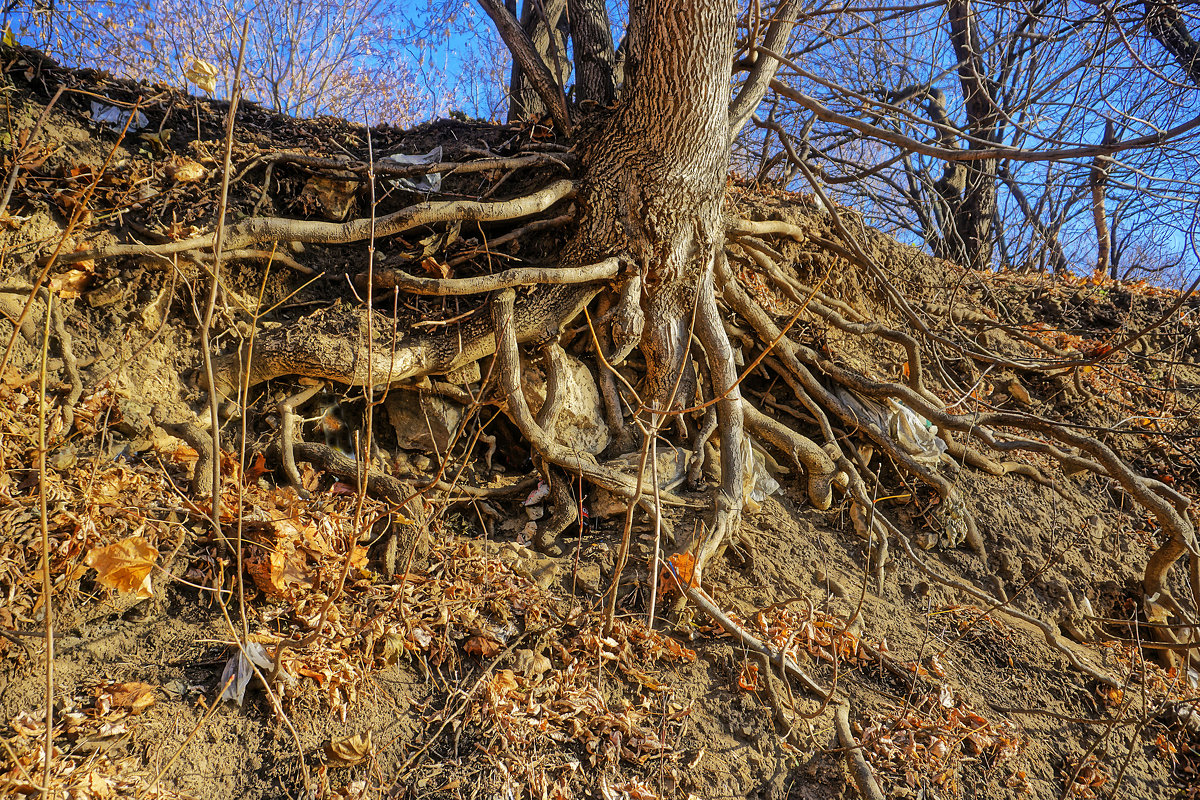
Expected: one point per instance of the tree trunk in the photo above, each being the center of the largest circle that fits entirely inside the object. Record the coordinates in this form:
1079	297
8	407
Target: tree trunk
550	42
1097	180
972	203
655	170
654	178
1166	24
594	55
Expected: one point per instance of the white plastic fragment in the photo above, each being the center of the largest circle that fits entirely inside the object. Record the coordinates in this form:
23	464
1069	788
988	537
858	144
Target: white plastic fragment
113	117
236	690
538	495
915	434
430	182
758	482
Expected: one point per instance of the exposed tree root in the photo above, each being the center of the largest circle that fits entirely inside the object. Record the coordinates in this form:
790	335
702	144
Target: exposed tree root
335	462
522	276
1048	633
65	345
730	497
288	435
389	168
803	451
276	229
564	514
508	370
199	439
331	344
864	779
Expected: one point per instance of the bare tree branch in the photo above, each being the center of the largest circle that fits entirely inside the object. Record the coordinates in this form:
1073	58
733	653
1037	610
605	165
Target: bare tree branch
759	81
526	55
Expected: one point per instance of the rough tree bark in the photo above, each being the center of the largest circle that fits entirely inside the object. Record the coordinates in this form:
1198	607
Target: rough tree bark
654	177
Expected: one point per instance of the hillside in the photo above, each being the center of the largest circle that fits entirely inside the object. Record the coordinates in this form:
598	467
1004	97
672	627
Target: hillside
421	637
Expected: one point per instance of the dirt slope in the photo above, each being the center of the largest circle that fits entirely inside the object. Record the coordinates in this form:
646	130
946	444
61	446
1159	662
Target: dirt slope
428	650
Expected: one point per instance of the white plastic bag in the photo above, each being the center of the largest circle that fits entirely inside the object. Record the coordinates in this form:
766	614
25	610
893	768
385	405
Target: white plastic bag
430	182
916	435
114	118
236	690
757	483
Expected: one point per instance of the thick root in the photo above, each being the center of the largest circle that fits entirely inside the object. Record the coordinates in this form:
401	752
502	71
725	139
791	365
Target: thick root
802	450
331	344
727	511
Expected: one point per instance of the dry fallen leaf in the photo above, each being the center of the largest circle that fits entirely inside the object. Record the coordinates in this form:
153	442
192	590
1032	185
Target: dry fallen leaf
100	786
530	664
675	573
125	566
281	573
135	696
482	646
435	268
349	751
187	171
257	468
505	680
748	678
70	284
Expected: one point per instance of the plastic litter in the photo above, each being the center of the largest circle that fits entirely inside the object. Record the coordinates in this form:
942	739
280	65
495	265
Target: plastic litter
758	482
236	691
430	182
115	118
915	434
538	495
866	412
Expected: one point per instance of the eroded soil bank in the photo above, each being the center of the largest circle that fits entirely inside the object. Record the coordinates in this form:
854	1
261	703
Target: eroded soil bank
429	649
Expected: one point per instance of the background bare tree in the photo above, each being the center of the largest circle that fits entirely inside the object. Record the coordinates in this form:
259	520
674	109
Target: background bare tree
1030	81
303	57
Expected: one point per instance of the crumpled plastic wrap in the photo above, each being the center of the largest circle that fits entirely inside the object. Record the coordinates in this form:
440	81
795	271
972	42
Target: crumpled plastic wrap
430	182
916	435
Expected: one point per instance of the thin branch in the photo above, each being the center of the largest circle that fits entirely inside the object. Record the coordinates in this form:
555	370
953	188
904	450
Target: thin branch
827	114
759	81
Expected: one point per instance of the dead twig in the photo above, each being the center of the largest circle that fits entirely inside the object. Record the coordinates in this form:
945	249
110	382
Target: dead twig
47	581
214	399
